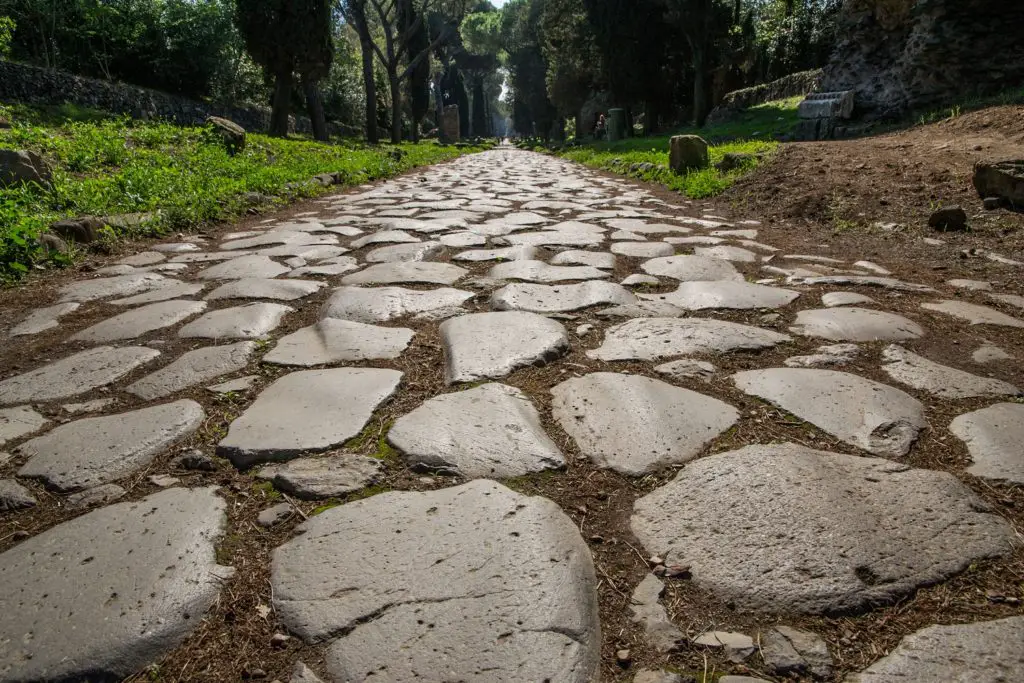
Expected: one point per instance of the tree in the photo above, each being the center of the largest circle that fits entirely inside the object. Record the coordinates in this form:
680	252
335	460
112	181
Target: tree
573	60
703	22
355	13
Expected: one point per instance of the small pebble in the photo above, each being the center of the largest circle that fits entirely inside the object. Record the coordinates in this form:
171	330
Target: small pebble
623	657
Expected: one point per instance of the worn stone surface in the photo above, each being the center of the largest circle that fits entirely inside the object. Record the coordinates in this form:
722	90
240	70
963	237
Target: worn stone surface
17	422
492	345
99	450
42	319
252	321
262	288
825	357
684	369
988	353
489	431
303	674
636	425
728	253
940	380
650	676
538	271
855	325
75	374
414	272
327	477
333	341
993	436
236	385
858	532
500	254
141	321
244	267
381	304
175	291
863	281
833	299
103	595
861	412
121	285
14	496
697	296
735	646
594	259
420	251
660	632
788	651
305	412
983	651
973	313
97	495
559	298
643	250
531	616
692	268
656	338
274	515
637	280
193	368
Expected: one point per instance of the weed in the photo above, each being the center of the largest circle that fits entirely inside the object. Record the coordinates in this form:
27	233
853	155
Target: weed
267	489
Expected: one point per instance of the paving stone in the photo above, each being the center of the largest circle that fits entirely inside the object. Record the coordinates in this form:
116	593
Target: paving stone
274	237
244	267
489	431
825	357
303	674
973	313
99	450
833	299
660	632
692	268
14	496
699	239
384	237
252	321
697	296
1012	299
141	321
559	298
594	259
274	515
17	422
538	271
103	595
863	413
331	341
988	353
325	269
972	285
644	250
307	412
121	285
741	679
163	480
636	425
502	254
491	345
405	252
177	247
306	253
463	239
855	325
43	319
644	228
177	290
940	380
650	676
238	385
788	651
414	272
655	338
381	304
684	369
727	253
863	281
75	374
555	238
192	369
993	436
261	288
420	606
852	533
736	646
97	495
983	651
637	280
327	477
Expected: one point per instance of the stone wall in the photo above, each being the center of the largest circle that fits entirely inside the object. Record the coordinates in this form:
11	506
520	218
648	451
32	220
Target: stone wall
34	85
904	55
788	86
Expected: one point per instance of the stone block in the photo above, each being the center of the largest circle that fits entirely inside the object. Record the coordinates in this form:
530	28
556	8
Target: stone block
450	123
687	152
827	105
1003	180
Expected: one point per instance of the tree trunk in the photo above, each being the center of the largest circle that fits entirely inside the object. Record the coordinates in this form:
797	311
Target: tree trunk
281	104
396	108
700	99
315	107
479	121
369	82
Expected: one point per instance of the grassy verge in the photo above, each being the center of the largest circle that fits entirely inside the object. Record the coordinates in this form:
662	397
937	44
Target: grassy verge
182	177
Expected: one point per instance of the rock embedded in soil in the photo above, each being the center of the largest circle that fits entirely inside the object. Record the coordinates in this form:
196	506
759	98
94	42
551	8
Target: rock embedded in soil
501	254
262	288
735	646
381	304
940	380
303	674
324	477
656	338
636	425
855	325
121	285
538	271
787	651
307	412
488	431
982	651
244	267
580	257
727	253
413	272
643	250
176	291
725	294
973	313
42	319
332	341
993	437
848	533
650	676
833	299
692	268
97	495
559	298
646	610
530	615
99	450
396	253
862	281
825	357
684	369
102	596
989	353
952	218
74	375
252	321
637	280
274	515
14	496
193	368
492	345
141	321
17	422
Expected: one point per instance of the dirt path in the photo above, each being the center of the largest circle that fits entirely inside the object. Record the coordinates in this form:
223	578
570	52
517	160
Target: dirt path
420	431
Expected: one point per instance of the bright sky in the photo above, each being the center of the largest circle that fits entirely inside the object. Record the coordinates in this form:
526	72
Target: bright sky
498	3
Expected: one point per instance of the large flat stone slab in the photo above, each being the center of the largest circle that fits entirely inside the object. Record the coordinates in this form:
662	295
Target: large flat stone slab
252	321
333	341
973	313
863	413
787	529
983	651
692	268
500	254
42	319
99	450
862	281
141	321
583	257
940	380
307	412
644	250
17	422
244	267
121	285
492	345
489	431
76	374
263	288
994	436
696	296
104	595
193	368
331	476
178	290
636	425
420	251
855	325
727	253
538	271
412	272
381	304
560	298
656	338
416	606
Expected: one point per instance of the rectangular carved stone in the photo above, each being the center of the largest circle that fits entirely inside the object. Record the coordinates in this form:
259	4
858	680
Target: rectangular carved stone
826	105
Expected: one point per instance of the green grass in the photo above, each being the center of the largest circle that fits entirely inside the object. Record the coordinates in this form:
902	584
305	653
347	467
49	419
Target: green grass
1007	97
181	175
